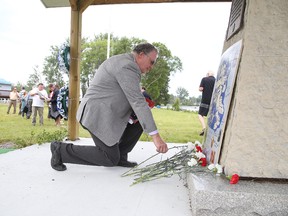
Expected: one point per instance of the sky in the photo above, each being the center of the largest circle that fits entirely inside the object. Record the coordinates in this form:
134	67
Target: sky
194	32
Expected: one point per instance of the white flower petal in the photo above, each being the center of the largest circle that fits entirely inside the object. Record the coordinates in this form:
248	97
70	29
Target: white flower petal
190	146
200	155
198	143
211	167
192	162
219	168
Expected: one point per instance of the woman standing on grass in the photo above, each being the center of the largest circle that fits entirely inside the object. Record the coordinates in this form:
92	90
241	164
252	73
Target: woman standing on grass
23	102
54	113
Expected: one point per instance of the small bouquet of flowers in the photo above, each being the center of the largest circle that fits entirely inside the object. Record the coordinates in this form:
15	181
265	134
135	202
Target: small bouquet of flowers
133	118
189	159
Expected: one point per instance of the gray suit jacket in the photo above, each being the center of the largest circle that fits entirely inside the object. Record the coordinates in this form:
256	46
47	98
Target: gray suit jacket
110	98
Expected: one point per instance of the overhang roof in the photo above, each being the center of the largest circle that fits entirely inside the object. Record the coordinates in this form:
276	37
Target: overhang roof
4	82
66	3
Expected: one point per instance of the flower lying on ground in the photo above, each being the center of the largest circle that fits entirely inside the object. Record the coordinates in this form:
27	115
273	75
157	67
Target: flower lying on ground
233	179
218	169
189	159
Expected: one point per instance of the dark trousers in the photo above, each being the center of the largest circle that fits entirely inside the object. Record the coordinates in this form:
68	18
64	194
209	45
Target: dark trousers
101	154
29	105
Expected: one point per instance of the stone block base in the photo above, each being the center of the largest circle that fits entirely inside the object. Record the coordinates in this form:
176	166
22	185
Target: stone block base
212	195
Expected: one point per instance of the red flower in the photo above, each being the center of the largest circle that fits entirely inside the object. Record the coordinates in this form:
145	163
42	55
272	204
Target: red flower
198	149
203	162
234	179
151	104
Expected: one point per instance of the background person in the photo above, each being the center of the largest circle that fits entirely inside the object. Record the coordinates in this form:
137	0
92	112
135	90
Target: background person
133	118
23	101
13	96
54	113
206	87
39	96
21	93
144	92
28	109
50	94
112	96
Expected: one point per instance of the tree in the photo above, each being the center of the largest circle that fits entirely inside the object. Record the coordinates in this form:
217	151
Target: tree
123	45
35	78
19	86
172	99
51	71
182	94
94	53
176	105
157	81
198	100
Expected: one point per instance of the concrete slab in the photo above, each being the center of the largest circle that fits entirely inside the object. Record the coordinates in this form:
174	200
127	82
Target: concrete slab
30	187
213	196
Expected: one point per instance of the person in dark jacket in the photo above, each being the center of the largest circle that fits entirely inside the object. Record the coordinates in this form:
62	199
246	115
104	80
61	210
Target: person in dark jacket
54	113
206	87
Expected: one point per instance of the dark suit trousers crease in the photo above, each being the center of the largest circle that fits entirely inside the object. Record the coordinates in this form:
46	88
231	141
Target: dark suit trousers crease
101	154
129	139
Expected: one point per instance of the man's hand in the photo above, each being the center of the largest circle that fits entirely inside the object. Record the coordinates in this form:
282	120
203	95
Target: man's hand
161	146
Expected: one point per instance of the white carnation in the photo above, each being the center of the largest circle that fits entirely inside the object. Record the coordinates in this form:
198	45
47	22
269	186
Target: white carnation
198	143
211	167
190	146
219	168
192	162
199	155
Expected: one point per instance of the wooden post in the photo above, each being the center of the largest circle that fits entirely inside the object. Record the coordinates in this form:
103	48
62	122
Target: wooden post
74	77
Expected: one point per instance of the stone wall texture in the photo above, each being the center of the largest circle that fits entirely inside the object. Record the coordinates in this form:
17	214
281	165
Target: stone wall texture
255	143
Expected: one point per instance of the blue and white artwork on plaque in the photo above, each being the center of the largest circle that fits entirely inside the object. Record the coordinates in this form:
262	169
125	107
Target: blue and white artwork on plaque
220	102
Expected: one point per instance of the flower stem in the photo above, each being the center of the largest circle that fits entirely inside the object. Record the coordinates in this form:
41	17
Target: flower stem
126	173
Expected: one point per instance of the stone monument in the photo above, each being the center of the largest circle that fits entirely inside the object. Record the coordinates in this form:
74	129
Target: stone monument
255	139
249	135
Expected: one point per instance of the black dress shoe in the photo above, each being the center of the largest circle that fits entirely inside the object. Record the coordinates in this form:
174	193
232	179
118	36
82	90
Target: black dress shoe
202	132
56	162
125	163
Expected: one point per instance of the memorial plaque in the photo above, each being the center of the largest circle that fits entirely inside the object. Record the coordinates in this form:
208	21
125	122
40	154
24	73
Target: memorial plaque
236	17
220	102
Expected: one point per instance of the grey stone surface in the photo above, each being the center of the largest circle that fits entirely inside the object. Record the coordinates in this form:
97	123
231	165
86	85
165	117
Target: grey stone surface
255	142
212	195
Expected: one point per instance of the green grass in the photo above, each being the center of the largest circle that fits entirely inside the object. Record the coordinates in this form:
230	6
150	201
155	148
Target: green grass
174	127
18	130
5	150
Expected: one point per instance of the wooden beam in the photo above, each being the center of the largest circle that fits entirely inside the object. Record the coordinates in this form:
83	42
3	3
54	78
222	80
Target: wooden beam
74	5
77	8
65	3
74	74
99	2
83	4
